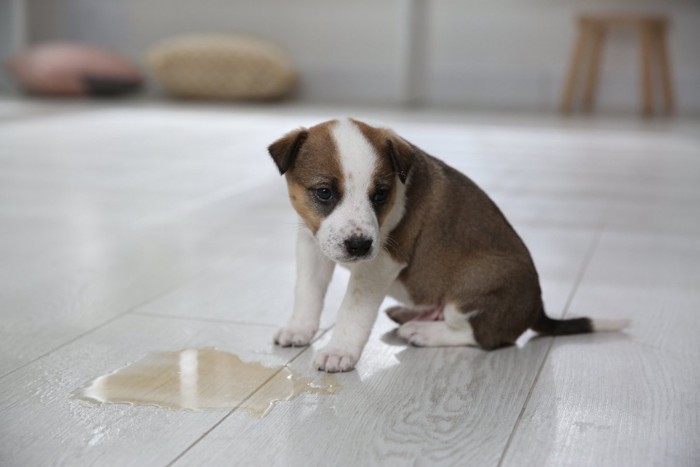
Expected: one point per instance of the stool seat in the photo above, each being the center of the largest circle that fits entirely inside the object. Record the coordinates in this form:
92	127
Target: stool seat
592	30
624	19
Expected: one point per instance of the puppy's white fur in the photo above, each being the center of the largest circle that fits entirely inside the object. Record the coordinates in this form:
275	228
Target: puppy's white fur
370	279
354	214
455	330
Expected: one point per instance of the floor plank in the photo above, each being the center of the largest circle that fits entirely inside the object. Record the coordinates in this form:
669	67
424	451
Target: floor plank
255	287
129	227
623	399
608	400
646	259
92	228
460	404
40	396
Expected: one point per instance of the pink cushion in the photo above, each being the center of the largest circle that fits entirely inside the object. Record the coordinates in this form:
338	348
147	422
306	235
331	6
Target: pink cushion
72	69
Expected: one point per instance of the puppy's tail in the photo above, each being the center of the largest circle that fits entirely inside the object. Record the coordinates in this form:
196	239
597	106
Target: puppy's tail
547	326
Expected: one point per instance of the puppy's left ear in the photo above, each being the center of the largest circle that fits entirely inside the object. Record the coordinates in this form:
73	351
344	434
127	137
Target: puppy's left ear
284	151
402	154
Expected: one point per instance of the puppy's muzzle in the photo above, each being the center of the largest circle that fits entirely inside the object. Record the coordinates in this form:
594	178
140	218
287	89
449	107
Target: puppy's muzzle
358	247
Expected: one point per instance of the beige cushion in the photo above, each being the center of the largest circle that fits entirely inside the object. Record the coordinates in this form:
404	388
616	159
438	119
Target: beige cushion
222	67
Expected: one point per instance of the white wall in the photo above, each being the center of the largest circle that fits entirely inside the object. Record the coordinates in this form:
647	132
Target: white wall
510	53
12	35
505	54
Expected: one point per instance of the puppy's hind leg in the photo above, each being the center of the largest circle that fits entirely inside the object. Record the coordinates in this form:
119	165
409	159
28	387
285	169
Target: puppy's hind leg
402	314
455	330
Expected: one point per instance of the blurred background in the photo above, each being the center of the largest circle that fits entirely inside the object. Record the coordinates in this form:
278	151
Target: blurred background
497	55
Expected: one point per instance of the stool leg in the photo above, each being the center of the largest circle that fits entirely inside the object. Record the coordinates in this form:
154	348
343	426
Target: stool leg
647	96
597	34
567	98
667	83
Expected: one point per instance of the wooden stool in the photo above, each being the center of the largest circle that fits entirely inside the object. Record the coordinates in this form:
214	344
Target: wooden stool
592	30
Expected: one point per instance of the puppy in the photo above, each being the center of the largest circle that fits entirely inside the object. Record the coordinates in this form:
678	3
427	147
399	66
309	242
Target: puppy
409	226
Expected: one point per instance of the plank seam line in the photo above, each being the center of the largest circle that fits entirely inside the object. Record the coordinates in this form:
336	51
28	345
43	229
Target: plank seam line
240	404
203	319
110	320
579	277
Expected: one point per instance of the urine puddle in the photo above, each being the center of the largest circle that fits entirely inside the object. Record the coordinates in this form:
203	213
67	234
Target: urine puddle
204	379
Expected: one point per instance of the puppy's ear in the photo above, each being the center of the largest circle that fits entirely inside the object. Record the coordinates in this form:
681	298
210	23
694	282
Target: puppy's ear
402	153
285	150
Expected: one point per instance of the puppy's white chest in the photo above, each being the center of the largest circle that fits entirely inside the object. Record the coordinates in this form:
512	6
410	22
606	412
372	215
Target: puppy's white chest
397	290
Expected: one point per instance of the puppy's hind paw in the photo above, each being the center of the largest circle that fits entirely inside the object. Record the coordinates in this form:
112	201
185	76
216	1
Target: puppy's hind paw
295	335
425	333
414	332
435	334
335	360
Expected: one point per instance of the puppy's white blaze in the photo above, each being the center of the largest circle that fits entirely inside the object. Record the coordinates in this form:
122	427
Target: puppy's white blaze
358	157
609	325
354	214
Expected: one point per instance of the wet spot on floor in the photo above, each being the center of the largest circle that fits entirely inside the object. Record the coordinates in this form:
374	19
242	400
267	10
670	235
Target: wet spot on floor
204	379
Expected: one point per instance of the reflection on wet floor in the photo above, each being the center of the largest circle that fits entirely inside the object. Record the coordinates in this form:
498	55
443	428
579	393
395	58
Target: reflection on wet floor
204	379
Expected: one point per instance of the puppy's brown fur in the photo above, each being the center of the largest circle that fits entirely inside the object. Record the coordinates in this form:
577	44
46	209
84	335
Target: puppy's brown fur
460	249
456	245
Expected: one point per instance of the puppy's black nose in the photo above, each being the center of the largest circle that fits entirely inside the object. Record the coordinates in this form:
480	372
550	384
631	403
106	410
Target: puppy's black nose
358	246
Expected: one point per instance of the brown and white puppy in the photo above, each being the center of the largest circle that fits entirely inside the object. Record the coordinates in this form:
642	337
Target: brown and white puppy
406	225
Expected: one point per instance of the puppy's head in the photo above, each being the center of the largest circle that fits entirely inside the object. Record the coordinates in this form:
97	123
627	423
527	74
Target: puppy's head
346	181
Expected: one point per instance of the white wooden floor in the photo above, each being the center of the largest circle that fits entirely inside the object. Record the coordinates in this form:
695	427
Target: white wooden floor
138	227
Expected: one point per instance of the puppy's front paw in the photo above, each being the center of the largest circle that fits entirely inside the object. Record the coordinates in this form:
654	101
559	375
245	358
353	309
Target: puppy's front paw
334	360
295	335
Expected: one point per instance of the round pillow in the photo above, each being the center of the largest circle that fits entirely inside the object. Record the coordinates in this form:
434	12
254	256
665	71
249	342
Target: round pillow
67	69
222	67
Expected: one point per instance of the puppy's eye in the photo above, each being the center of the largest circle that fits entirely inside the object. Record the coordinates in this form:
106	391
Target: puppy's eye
323	194
380	195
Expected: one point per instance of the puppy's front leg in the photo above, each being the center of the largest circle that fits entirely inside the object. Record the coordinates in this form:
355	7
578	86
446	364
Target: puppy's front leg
314	272
369	283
